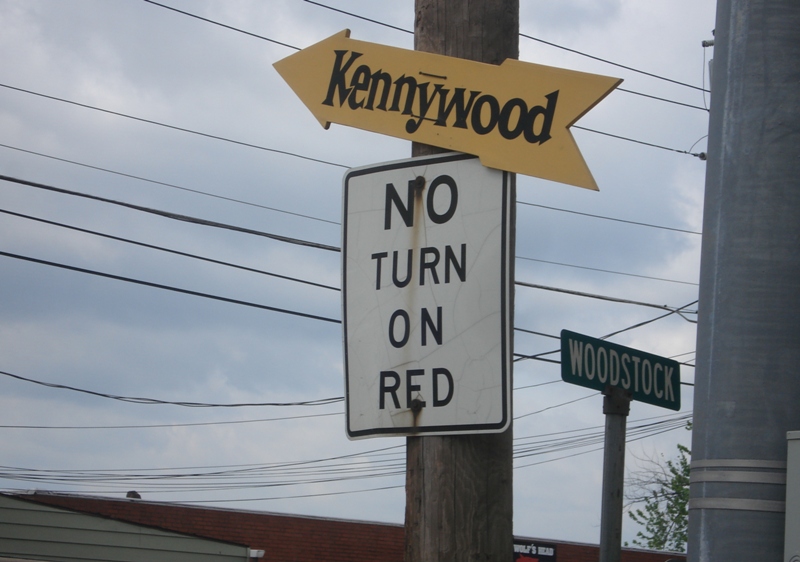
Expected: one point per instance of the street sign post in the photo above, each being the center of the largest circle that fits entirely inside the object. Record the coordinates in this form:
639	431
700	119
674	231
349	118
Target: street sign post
598	364
515	116
622	374
426	279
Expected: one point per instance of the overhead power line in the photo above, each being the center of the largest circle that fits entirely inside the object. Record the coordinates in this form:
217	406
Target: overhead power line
281	43
277	275
537	357
279	238
294	312
171	185
207	424
360	466
149	401
606	61
170	288
538	333
300	496
170	251
627	91
337	223
174	127
561	264
609	218
296	155
593	394
700	155
354	15
606	271
678	311
289	278
601	297
174	216
541	356
168	425
284	152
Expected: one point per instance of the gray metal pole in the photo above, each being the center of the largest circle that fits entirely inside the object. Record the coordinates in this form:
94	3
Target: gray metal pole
747	388
459	488
616	407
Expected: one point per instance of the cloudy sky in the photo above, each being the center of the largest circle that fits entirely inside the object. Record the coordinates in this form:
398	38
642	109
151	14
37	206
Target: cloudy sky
130	102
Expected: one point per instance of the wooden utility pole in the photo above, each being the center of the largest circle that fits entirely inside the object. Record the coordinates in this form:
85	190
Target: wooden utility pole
459	488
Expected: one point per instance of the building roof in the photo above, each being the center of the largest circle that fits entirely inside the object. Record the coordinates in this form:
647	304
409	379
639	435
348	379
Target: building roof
292	538
284	538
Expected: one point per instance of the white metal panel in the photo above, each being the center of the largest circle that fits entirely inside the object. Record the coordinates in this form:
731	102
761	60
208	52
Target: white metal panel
792	541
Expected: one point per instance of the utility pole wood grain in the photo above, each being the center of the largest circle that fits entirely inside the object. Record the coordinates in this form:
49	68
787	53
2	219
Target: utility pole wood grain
459	488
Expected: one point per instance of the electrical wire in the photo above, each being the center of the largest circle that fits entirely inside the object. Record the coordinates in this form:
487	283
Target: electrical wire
537	357
171	185
294	312
194	220
209	405
602	297
225	139
609	218
207	424
176	128
173	216
223	25
537	333
537	385
599	448
281	238
155	401
170	251
620	137
555	406
606	61
390	454
275	150
378	463
541	356
253	270
171	288
586	268
298	496
168	425
354	15
337	223
661	99
269	273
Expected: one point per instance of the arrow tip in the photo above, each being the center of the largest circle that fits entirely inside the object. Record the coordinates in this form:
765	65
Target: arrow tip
301	69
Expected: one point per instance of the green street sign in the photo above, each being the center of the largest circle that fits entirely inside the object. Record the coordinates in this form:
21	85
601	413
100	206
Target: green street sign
597	364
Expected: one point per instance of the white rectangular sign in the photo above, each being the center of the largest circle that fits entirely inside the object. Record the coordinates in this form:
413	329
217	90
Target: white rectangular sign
427	268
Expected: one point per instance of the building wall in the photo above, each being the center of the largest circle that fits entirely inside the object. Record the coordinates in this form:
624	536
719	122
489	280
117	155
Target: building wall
34	531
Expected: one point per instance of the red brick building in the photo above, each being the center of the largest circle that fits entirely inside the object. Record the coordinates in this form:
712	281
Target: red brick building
294	538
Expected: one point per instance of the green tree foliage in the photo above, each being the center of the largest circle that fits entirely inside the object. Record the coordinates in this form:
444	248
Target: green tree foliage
662	486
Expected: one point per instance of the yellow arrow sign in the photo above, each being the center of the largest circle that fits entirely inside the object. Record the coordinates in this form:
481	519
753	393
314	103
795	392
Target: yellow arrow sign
515	116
